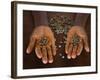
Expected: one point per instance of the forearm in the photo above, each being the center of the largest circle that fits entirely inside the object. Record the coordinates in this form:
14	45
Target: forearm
40	18
81	19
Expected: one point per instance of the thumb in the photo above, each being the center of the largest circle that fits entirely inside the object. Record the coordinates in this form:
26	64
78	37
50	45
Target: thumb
86	45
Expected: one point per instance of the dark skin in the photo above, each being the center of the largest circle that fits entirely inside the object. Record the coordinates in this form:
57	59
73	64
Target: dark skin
74	51
47	52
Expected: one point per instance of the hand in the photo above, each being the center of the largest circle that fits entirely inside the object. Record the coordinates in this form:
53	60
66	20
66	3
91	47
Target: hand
76	40
43	42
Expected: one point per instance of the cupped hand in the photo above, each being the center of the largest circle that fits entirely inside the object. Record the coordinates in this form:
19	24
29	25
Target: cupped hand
43	42
76	40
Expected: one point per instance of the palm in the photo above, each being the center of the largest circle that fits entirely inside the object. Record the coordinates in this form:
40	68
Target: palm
43	42
76	40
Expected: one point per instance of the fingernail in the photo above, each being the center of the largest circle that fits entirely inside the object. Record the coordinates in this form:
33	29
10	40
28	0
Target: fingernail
50	61
87	49
44	61
27	51
73	56
69	57
39	56
78	54
66	52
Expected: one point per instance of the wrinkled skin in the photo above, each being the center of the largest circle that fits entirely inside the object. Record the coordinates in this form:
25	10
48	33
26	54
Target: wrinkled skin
45	52
74	51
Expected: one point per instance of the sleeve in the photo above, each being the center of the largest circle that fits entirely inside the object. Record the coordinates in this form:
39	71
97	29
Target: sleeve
40	18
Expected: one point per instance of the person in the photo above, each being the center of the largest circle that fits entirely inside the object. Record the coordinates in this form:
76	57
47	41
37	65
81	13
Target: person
46	49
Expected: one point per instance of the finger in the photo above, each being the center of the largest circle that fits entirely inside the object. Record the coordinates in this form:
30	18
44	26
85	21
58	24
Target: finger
67	46
80	48
69	39
38	52
30	46
53	48
86	46
50	55
74	52
44	55
70	51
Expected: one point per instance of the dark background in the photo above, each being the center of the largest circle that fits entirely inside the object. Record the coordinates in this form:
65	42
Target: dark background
31	61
